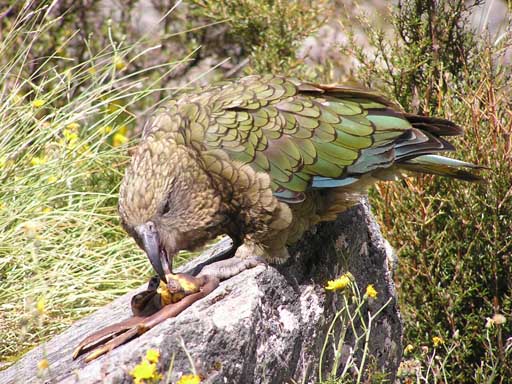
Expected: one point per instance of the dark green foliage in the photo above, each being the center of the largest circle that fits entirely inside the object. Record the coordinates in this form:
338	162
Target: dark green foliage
269	31
434	42
454	239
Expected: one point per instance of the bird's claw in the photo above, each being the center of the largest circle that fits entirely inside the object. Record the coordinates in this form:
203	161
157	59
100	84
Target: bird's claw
150	307
108	338
228	268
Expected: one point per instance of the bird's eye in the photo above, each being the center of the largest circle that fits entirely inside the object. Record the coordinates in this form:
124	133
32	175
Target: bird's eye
166	208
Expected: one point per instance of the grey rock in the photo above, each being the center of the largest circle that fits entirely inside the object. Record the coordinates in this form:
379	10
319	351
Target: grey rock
266	325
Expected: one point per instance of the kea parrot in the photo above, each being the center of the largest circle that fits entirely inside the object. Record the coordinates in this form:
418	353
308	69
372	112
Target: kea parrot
261	159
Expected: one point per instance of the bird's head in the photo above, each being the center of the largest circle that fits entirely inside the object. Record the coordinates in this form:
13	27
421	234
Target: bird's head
167	202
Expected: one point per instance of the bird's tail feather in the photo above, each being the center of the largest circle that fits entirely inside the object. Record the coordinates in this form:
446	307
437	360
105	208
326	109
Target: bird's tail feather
444	166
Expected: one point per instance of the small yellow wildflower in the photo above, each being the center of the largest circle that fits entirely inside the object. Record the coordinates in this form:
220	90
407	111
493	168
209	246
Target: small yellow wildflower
409	348
119	139
47	209
38	103
51	179
437	341
123	129
340	283
145	370
70	135
189	379
106	129
70	138
73	126
152	355
371	291
91	70
43	364
119	63
40	305
38	160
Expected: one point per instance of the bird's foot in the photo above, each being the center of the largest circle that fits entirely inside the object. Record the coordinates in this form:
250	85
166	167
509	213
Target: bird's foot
150	307
222	254
225	269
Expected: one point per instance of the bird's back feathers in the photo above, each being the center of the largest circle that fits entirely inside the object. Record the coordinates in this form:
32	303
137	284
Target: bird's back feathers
309	135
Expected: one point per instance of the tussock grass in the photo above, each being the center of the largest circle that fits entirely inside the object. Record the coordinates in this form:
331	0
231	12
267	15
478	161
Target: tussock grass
65	133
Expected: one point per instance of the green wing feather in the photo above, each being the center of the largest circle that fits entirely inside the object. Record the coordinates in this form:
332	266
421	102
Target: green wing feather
296	131
306	135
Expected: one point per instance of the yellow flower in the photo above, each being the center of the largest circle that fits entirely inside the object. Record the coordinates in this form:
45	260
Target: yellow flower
91	70
340	283
437	341
40	305
70	135
51	179
145	370
119	139
38	160
47	209
409	348
119	63
123	129
38	103
189	379
152	355
371	291
42	364
73	126
106	129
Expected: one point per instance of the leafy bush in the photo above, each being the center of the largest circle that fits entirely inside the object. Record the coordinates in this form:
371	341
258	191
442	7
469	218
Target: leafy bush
454	239
269	31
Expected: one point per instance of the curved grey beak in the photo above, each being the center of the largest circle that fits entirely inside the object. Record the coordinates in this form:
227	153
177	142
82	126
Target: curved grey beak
156	254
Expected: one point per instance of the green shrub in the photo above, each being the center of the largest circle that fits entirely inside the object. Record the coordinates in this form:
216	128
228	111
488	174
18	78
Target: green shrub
454	239
269	31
